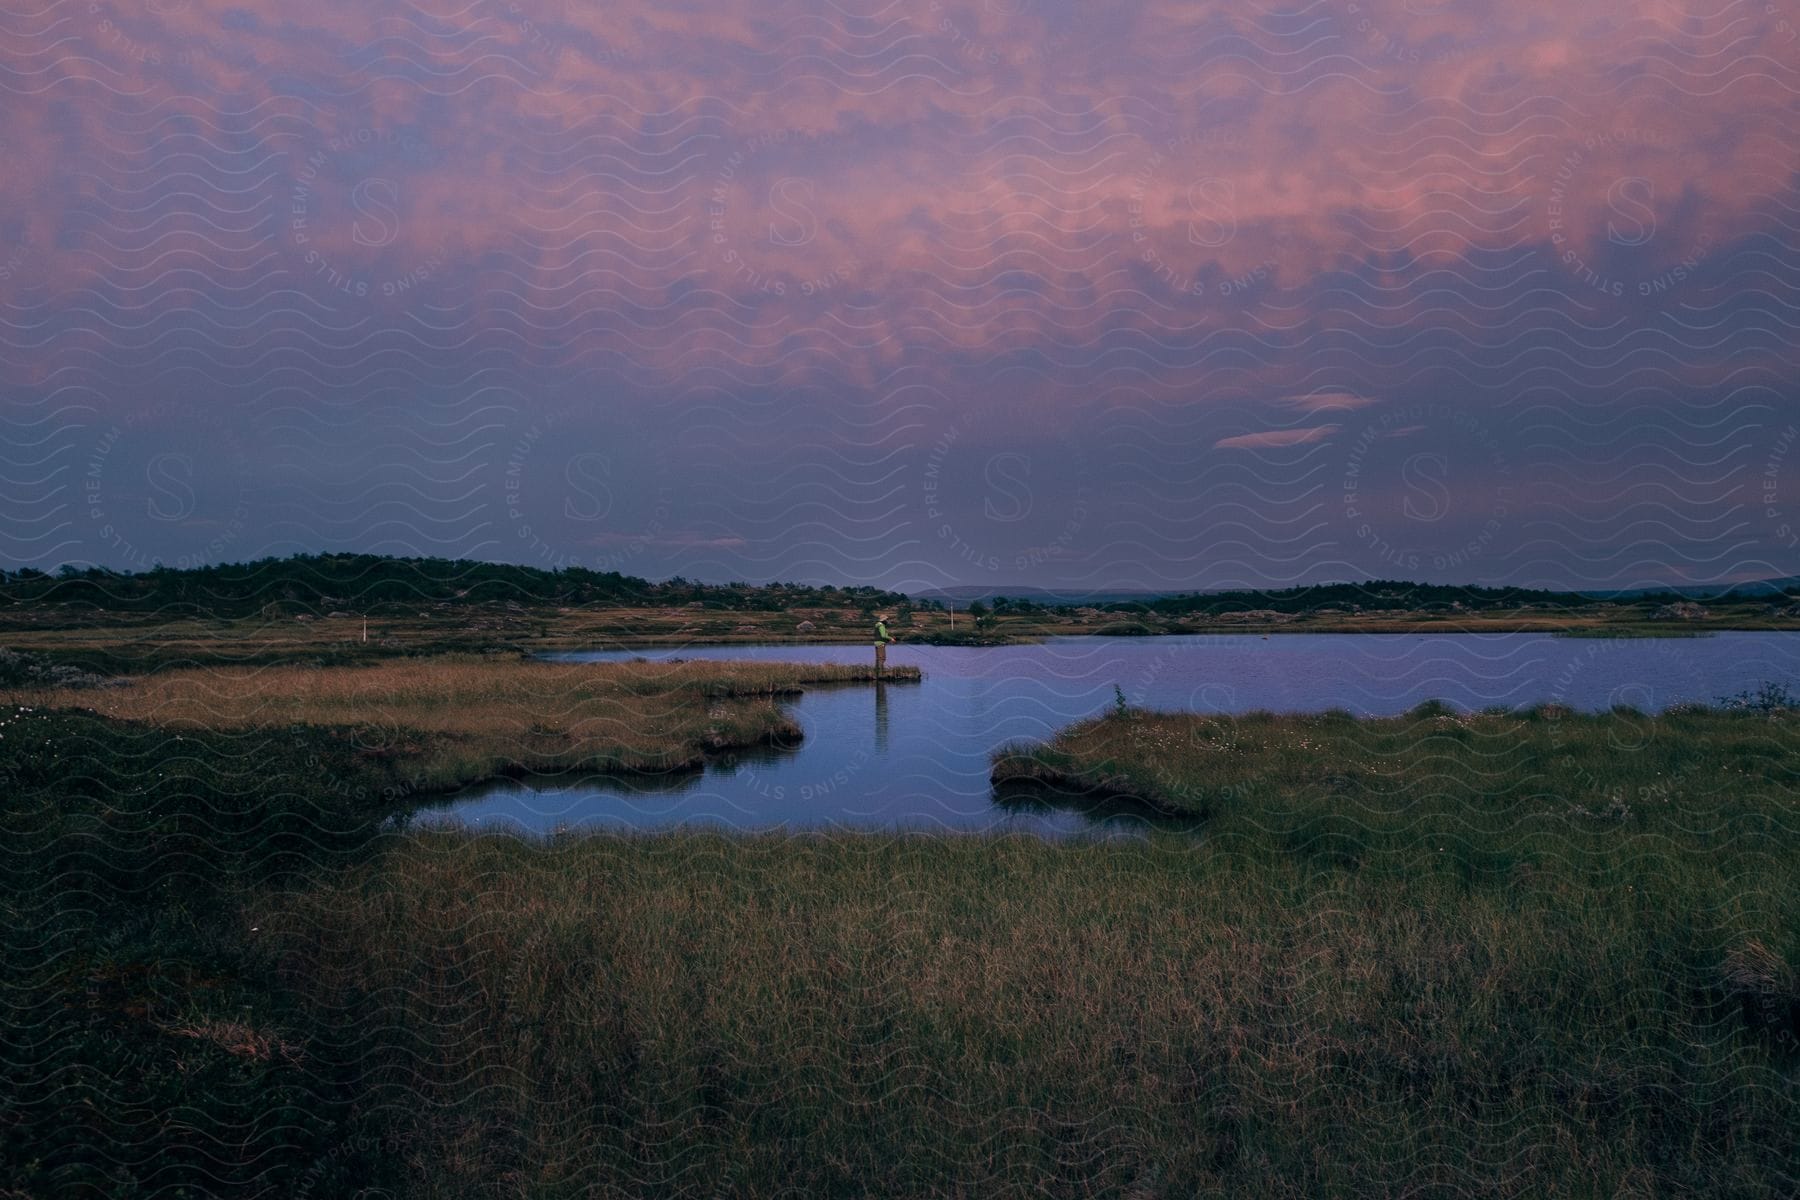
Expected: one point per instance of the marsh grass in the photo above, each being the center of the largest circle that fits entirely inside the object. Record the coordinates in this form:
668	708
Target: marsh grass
1549	758
140	1054
841	1016
1525	954
457	719
112	641
1503	954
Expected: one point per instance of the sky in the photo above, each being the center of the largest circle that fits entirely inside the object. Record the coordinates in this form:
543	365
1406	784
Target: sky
907	292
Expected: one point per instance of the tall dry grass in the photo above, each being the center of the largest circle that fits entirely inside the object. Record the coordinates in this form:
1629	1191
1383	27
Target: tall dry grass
1527	954
464	717
700	1015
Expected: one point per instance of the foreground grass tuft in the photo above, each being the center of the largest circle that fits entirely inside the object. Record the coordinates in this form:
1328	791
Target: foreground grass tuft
142	1052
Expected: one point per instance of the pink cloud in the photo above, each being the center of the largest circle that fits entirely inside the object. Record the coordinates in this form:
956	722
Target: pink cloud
847	183
1322	401
1273	438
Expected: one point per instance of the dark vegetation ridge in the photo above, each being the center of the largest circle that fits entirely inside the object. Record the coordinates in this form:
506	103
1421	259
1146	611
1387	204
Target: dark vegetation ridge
308	582
1392	595
368	581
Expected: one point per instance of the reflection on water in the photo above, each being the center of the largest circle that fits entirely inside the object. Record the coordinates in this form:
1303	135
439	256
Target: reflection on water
881	717
1111	812
915	756
636	783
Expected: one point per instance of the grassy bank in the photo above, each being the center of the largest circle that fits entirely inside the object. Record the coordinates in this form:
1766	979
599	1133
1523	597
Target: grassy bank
455	719
142	1050
115	643
1548	765
844	1016
145	1047
112	642
1537	954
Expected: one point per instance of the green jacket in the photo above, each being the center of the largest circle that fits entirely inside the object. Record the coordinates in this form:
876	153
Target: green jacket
881	634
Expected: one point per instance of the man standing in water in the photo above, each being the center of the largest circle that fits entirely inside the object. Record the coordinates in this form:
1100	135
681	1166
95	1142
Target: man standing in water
881	644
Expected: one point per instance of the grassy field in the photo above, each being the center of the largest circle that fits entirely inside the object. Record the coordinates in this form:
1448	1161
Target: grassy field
1532	954
122	643
142	1051
457	719
842	1016
145	1048
1489	770
1513	954
125	643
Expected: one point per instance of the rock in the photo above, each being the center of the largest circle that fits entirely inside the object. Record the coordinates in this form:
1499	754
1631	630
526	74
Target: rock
805	627
1683	610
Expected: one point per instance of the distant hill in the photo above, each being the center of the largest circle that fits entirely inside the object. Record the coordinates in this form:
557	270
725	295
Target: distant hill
1707	591
1375	595
371	582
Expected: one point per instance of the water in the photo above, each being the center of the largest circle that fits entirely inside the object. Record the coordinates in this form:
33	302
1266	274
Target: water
916	756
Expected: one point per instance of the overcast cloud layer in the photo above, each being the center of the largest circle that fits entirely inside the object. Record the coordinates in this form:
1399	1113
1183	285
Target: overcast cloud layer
912	293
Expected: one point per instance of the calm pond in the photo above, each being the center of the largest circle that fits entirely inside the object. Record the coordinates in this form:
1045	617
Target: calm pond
915	756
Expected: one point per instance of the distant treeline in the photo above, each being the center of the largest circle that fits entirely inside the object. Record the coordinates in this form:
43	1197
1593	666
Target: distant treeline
361	582
370	582
1384	595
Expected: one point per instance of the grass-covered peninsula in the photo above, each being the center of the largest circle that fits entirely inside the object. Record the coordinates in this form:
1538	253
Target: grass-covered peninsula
452	720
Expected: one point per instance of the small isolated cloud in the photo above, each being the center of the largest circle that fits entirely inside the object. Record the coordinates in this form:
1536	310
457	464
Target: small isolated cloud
1275	437
1402	431
1312	402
